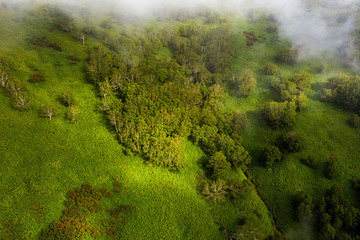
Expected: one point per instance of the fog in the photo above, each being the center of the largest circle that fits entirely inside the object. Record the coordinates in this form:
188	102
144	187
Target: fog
314	27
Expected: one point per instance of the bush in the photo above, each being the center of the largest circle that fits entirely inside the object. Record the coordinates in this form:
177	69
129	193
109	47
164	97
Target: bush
354	121
218	165
280	114
270	155
311	162
270	69
246	83
287	55
215	190
48	112
238	189
304	206
67	98
20	102
72	114
332	168
291	141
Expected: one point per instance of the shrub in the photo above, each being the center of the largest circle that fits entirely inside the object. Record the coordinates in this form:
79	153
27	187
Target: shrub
72	114
238	189
246	83
354	121
332	168
280	114
48	112
272	28
218	165
291	141
270	69
304	206
270	155
311	162
215	190
67	98
20	102
287	55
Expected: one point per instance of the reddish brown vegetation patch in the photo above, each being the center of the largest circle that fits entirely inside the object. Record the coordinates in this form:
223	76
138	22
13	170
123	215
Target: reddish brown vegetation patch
37	78
73	58
250	38
80	204
41	42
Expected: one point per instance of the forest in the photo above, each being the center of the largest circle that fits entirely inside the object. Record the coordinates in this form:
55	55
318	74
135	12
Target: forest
189	124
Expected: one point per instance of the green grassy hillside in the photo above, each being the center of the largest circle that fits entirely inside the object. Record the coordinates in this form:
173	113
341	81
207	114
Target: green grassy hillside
42	159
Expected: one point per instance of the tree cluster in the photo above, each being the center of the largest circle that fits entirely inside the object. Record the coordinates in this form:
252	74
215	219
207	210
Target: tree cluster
343	90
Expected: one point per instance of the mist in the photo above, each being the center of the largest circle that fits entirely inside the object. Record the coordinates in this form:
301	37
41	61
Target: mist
316	28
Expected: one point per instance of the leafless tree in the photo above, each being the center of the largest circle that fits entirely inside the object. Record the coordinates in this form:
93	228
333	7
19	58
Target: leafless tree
48	112
21	102
81	38
215	191
4	79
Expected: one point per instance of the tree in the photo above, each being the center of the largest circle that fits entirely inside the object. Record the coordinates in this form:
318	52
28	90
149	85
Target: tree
218	165
72	114
332	168
287	55
215	190
291	141
21	102
270	155
67	98
304	206
81	38
48	112
246	83
270	69
280	114
354	121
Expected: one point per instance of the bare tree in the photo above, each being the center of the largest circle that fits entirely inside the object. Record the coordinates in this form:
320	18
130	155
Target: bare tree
4	79
81	38
48	112
215	191
21	102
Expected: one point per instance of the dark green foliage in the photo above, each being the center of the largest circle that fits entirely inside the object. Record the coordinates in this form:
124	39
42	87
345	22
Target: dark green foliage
246	83
291	141
354	121
344	90
270	155
337	215
355	183
311	162
271	69
36	78
287	55
332	168
219	166
280	114
238	189
304	206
